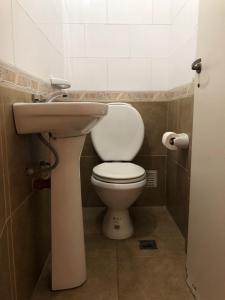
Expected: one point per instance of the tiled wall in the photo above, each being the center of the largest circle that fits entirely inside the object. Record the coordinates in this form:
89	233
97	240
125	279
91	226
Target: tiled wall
32	36
108	44
24	213
129	44
183	41
180	119
117	45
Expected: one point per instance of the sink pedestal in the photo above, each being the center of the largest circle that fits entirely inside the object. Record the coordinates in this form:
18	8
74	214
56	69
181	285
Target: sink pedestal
68	251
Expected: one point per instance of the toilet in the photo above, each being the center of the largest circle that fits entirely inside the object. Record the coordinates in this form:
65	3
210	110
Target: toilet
118	182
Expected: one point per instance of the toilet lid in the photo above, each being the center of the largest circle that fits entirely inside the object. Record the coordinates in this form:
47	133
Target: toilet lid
118	171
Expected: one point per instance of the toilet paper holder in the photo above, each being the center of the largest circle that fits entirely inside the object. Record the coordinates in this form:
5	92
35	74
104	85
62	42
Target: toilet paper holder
174	141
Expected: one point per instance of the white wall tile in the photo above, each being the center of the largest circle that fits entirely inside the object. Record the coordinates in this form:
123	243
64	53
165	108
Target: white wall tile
184	24
107	40
6	49
54	32
128	74
88	74
43	11
141	41
160	74
75	36
85	11
33	52
180	63
150	41
130	11
162	11
177	6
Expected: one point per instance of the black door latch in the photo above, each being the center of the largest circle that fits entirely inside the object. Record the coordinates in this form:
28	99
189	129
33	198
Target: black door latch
197	65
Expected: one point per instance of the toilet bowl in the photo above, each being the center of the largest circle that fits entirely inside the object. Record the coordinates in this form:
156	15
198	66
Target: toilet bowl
118	182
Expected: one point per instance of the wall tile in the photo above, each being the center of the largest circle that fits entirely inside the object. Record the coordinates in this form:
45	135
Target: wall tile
160	74
153	196
177	6
89	195
6	49
178	185
107	40
184	24
28	213
180	63
79	11
130	11
183	41
54	32
33	51
31	240
150	41
5	285
43	11
180	119
20	185
154	115
88	74
75	40
2	177
129	74
162	11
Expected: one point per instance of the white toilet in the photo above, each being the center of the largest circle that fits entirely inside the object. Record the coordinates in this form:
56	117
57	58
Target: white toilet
118	182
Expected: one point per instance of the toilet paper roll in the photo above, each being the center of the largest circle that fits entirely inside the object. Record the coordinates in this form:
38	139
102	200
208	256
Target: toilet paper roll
182	141
167	138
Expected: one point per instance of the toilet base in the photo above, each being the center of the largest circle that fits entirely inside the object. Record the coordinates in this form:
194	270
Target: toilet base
117	224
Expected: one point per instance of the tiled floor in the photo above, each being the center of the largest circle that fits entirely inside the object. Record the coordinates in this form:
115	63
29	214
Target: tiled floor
118	270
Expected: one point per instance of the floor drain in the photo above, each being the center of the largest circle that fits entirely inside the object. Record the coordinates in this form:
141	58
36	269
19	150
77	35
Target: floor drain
148	244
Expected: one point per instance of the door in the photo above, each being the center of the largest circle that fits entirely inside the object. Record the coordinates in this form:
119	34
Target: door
206	240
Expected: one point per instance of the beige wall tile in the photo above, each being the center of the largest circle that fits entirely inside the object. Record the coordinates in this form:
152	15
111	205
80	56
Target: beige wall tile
29	219
89	195
31	240
5	280
180	120
178	185
17	150
153	196
2	176
154	115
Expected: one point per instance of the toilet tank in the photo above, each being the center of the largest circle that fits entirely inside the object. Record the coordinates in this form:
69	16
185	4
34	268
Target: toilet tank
120	134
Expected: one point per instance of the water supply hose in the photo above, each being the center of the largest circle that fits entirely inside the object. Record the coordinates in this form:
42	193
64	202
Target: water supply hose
31	171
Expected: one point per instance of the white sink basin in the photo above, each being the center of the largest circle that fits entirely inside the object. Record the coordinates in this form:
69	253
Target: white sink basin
68	123
61	119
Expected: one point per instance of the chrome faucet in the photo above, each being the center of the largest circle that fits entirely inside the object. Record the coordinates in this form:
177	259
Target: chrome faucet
49	97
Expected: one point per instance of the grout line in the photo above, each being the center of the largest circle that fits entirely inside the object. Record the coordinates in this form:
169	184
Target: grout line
178	11
117	270
11	265
179	165
3	227
8	198
21	204
39	28
119	57
120	24
13	262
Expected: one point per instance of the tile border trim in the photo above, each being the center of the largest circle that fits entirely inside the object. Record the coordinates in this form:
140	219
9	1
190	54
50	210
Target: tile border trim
14	78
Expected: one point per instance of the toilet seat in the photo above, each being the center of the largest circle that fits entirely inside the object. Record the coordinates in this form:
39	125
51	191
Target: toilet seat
119	172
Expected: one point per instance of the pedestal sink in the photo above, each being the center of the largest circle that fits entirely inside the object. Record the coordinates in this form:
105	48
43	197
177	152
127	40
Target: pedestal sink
68	123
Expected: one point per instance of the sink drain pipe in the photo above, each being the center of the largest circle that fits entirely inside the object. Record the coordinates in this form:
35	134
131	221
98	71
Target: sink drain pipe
31	171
